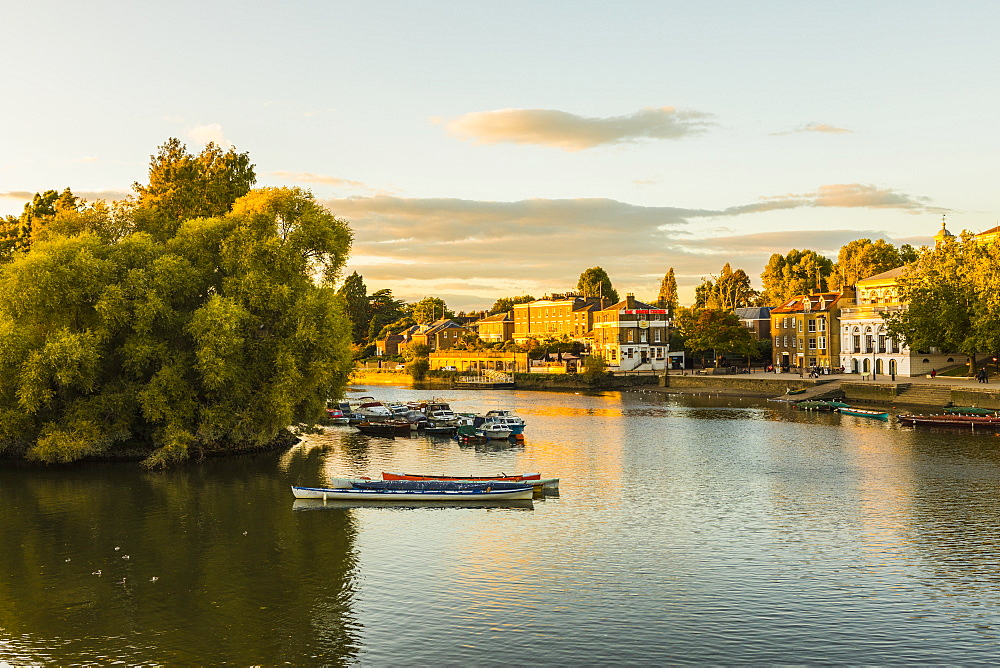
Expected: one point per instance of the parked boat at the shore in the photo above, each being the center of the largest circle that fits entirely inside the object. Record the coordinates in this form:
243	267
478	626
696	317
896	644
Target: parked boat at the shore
865	412
945	420
477	493
385	428
971	410
820	405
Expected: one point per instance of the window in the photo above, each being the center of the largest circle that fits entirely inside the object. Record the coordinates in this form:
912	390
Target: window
656	335
822	324
881	343
786	342
822	343
857	343
777	341
812	324
812	343
800	325
631	336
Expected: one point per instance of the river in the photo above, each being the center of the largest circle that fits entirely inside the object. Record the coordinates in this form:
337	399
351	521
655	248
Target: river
688	529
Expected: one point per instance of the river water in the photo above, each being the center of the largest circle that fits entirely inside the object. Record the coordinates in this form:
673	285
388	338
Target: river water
688	529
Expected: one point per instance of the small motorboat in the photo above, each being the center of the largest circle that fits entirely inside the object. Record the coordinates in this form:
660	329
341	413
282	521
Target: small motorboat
501	417
864	412
459	492
336	416
791	391
494	430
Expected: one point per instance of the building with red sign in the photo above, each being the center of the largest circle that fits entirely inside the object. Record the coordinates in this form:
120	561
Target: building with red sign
632	336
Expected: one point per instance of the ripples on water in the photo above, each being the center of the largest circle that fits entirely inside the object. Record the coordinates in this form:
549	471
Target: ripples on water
687	530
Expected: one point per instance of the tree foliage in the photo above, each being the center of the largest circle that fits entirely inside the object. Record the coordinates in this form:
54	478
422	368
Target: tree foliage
716	330
184	186
730	290
594	282
354	292
797	273
863	258
216	337
430	309
667	299
505	304
953	297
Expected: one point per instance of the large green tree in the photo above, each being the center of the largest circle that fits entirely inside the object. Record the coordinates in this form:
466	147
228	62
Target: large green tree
730	290
796	273
715	330
430	309
354	292
214	338
594	282
952	294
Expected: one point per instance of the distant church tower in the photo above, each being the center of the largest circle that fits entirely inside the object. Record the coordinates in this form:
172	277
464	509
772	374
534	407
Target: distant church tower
942	234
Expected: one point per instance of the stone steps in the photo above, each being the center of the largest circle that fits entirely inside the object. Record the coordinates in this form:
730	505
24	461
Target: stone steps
925	395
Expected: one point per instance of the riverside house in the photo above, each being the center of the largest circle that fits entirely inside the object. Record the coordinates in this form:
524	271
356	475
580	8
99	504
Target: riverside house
805	332
632	336
553	317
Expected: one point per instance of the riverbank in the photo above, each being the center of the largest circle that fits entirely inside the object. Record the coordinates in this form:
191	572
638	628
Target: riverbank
921	392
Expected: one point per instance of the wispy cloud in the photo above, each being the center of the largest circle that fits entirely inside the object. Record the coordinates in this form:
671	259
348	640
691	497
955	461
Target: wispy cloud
842	195
307	177
569	132
816	127
203	134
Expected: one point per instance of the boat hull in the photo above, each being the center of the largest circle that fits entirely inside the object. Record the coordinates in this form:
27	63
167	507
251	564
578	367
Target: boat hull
479	495
460	478
951	421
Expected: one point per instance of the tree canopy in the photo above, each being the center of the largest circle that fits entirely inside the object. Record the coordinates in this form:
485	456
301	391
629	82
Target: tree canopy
667	298
505	304
214	337
430	309
863	258
797	273
594	282
716	330
730	290
953	297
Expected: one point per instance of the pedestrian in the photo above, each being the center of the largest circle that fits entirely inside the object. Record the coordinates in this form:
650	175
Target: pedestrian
933	373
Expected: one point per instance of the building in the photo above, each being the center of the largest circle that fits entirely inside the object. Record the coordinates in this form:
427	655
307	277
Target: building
438	335
632	336
757	319
499	327
553	317
389	346
480	360
865	344
805	332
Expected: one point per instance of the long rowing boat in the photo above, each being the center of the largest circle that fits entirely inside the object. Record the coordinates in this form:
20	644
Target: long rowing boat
864	412
961	421
460	478
479	494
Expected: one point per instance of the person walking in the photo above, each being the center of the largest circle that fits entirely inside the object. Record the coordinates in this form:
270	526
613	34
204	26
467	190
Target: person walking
933	373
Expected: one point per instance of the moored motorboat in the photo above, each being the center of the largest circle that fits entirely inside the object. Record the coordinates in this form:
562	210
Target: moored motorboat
336	416
501	417
864	412
373	410
495	431
478	493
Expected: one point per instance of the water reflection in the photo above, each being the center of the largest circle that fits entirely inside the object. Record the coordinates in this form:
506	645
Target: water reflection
689	529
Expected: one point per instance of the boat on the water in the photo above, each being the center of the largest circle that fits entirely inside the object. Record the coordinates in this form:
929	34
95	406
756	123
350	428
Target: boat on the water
478	493
960	421
791	391
865	412
503	418
373	410
495	431
336	416
385	428
820	405
386	475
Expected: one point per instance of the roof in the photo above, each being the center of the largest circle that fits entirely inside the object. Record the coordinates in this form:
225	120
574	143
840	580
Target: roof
630	303
754	313
817	302
499	317
885	275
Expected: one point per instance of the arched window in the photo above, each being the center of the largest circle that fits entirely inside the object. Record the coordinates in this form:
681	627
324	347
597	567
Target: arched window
864	366
892	367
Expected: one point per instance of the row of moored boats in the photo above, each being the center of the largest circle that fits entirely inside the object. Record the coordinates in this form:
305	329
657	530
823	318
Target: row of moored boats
377	418
964	417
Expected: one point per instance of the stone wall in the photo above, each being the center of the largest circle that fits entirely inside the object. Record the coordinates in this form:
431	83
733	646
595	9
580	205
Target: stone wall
981	398
765	385
873	392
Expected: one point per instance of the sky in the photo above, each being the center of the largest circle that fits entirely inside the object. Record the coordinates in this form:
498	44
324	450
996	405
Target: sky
481	150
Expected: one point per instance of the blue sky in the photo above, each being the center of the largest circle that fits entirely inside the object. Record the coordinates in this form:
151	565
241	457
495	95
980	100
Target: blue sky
484	150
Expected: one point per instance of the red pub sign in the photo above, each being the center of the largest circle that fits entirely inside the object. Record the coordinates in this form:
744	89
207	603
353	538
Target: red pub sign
645	311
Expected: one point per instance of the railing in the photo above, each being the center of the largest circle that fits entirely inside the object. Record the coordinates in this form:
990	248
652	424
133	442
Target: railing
488	376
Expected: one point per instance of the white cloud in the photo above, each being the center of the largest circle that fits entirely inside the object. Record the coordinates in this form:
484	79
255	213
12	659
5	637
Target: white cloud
560	129
823	128
212	132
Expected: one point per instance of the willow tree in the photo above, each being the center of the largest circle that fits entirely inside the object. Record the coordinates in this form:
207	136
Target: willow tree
213	339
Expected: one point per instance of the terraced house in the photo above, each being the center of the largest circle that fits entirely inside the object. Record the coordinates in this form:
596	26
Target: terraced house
805	332
632	336
554	316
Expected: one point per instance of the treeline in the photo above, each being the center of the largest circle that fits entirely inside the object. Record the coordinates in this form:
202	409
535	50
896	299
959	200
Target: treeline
197	316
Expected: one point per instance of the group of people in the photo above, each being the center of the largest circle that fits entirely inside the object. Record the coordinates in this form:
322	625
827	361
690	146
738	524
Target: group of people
983	376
